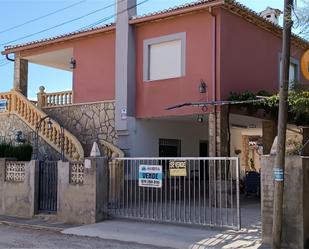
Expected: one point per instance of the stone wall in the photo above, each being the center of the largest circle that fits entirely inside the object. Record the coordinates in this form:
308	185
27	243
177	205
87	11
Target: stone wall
296	205
18	198
10	124
81	203
88	122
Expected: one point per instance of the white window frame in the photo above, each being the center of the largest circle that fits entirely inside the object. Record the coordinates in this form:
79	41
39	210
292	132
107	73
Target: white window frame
161	39
293	61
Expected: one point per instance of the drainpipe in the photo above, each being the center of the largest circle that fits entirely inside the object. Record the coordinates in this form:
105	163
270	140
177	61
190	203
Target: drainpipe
8	58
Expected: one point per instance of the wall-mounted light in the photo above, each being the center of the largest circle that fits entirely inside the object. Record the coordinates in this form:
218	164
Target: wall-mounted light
202	87
19	137
72	63
200	118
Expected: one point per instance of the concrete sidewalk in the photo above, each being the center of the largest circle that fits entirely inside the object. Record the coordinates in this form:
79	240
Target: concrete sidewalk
180	237
170	235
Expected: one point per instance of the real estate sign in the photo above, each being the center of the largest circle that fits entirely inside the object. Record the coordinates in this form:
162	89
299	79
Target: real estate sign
3	105
178	168
150	176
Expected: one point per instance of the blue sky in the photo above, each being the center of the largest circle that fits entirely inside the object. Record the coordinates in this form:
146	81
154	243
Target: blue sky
14	12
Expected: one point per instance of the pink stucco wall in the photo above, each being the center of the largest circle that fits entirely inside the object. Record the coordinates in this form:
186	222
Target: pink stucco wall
249	57
154	96
94	76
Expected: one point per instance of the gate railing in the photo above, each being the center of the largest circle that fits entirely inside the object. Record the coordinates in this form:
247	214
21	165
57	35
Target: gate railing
198	191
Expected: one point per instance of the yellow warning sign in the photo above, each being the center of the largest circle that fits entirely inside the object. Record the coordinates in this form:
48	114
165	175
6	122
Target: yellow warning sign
178	168
305	64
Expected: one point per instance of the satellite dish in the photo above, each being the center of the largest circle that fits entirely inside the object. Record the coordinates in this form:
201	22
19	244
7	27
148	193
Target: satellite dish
305	64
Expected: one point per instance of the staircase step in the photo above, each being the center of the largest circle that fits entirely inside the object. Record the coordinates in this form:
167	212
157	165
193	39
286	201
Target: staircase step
46	217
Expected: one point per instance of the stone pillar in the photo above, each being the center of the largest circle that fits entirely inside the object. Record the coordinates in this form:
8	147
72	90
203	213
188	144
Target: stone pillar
41	97
269	133
125	64
218	132
21	75
245	152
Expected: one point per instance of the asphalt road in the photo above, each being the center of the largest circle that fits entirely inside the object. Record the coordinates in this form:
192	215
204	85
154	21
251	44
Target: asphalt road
14	237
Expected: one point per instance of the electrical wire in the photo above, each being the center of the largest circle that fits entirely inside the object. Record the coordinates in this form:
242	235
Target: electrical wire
110	17
41	17
59	25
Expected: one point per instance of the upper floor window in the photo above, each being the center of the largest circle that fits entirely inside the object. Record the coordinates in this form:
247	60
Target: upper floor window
294	72
164	57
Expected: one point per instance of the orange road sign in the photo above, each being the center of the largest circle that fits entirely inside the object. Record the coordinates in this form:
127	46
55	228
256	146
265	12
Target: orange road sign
305	64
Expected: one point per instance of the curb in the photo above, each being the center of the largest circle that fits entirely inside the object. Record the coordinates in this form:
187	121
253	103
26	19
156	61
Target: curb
32	226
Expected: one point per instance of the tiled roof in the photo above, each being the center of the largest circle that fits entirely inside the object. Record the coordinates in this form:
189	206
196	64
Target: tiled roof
179	7
231	5
264	23
58	37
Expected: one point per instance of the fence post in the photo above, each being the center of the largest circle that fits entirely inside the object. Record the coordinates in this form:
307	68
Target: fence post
2	177
34	185
41	97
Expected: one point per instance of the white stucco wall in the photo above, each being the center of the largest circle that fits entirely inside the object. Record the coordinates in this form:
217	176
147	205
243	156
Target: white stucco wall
146	134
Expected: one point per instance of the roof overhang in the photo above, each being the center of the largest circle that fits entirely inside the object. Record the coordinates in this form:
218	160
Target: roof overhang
58	39
177	11
57	59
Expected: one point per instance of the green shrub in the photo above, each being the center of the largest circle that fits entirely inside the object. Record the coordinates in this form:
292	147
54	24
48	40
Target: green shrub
4	148
21	152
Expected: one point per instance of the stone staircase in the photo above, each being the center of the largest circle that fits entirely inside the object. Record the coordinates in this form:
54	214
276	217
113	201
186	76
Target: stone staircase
27	111
31	113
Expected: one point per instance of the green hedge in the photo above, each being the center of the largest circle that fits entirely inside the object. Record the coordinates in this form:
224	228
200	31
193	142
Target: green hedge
21	152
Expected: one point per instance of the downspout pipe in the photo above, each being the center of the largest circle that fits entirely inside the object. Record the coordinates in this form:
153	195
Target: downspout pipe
8	58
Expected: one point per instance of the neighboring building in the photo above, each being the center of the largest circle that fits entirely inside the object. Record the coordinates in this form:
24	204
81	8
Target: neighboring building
126	74
271	15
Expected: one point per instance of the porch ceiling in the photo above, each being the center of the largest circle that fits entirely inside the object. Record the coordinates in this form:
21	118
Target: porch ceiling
58	59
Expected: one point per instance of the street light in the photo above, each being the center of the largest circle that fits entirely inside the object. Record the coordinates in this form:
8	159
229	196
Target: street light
36	136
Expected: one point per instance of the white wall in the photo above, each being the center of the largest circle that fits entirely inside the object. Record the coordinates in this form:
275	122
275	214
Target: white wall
146	134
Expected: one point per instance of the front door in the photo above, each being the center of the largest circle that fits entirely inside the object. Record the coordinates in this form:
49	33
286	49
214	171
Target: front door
169	148
203	152
48	176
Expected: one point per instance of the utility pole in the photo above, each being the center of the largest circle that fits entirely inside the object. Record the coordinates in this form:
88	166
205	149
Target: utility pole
282	124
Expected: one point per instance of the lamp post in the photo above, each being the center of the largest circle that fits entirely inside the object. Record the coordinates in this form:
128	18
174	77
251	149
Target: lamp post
36	135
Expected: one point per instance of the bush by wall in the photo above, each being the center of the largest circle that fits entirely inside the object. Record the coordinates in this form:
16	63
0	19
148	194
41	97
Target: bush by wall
21	152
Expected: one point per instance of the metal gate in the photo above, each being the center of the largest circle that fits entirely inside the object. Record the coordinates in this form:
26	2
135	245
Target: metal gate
48	176
198	191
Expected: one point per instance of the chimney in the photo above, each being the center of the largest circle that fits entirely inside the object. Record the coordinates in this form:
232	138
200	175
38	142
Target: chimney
125	64
271	15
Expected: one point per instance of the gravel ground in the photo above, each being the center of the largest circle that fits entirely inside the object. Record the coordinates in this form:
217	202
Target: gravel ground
14	237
